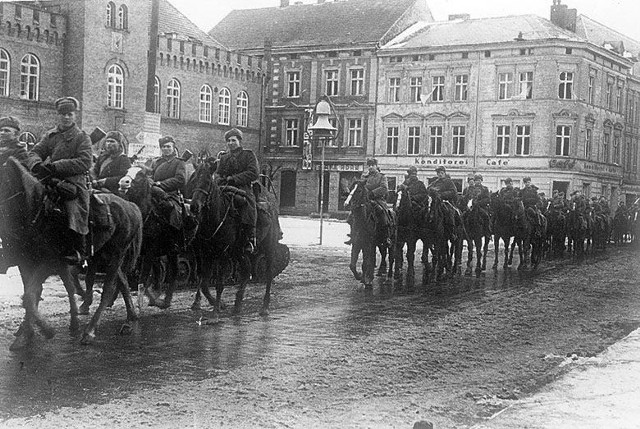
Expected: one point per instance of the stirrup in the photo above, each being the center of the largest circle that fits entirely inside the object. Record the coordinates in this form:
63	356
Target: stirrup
74	259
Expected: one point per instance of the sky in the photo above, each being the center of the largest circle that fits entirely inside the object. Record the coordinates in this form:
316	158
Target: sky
620	15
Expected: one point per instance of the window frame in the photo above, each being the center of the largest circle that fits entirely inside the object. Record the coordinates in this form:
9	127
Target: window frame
224	106
461	92
242	109
458	139
205	104
505	85
413	139
356	83
523	139
415	88
435	139
437	88
563	140
503	139
355	132
565	85
32	83
174	93
292	132
331	82
394	90
6	71
393	139
293	85
115	87
122	19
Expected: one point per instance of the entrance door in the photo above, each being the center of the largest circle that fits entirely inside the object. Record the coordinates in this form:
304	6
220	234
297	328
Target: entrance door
288	188
561	186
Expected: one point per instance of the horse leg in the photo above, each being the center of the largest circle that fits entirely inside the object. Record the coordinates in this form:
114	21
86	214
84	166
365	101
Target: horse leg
270	252
355	252
478	243
170	277
108	290
485	249
398	259
88	295
244	268
69	282
368	264
469	257
411	258
32	292
382	269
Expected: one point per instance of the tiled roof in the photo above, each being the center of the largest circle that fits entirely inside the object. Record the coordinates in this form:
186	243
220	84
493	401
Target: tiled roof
481	31
171	20
328	23
598	34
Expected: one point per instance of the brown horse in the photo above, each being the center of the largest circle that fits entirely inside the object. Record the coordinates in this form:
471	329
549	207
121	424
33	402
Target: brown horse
218	242
33	241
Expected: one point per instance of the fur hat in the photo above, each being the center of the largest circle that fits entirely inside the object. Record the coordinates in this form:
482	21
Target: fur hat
440	168
66	105
233	132
412	171
166	139
11	122
117	136
372	161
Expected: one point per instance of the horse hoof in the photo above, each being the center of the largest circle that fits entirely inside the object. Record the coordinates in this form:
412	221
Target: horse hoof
88	338
196	306
49	333
126	329
264	312
357	275
83	310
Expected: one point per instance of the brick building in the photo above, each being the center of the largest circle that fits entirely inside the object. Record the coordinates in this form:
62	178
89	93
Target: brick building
311	50
138	66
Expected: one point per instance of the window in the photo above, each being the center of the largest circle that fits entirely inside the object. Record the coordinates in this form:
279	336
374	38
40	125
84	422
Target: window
18	12
291	128
224	107
606	143
357	82
206	97
415	88
123	18
588	144
115	87
355	132
293	84
394	89
458	139
331	82
618	106
242	109
462	85
565	88
435	140
616	149
392	140
505	86
525	86
111	14
413	142
29	77
523	140
36	16
592	84
173	99
4	73
437	93
156	95
487	54
563	137
502	140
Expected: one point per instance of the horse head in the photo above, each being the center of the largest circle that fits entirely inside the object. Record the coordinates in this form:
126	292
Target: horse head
202	185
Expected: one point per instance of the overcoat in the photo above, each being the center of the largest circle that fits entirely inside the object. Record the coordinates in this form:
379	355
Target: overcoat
69	152
445	187
417	189
241	167
169	173
376	184
112	172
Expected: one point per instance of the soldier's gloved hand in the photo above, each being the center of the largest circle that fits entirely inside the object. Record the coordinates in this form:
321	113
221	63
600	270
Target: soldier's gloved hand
43	171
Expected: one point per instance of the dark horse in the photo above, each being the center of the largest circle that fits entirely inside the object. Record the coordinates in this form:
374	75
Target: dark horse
33	242
219	245
366	235
478	236
557	231
504	228
577	231
159	237
409	220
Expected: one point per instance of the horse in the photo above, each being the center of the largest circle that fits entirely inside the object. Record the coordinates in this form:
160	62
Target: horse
435	237
27	212
556	231
219	243
537	235
621	222
577	231
160	237
600	231
504	228
478	235
408	223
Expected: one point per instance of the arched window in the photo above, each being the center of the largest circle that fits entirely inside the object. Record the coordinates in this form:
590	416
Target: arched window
156	96
205	103
111	14
242	109
123	17
4	73
116	87
27	138
173	99
29	77
224	106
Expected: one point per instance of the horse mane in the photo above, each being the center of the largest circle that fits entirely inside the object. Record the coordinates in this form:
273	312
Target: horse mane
31	188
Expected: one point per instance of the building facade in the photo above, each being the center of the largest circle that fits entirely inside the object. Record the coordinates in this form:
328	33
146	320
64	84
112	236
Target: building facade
140	67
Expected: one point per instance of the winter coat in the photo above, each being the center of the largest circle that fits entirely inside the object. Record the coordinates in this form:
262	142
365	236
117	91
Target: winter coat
169	173
529	196
112	172
376	184
417	189
480	196
445	188
241	166
69	152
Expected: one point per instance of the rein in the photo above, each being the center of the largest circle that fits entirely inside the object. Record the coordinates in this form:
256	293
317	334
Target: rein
207	202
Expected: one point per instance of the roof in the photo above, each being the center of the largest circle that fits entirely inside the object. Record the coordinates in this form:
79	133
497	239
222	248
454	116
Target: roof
171	20
318	24
599	34
480	31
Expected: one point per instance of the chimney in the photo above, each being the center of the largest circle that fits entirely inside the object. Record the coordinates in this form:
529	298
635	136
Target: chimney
285	3
563	17
462	16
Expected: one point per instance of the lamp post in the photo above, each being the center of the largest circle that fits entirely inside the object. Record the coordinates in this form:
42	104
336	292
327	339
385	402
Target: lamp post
322	131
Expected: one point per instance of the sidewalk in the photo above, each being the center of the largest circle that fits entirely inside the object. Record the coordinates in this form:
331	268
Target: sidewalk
601	392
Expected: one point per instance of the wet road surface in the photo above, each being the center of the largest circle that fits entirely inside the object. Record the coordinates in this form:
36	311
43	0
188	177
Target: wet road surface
333	343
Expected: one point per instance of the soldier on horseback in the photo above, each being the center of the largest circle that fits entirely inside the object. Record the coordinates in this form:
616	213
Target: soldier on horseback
112	164
481	198
416	188
9	143
531	199
447	191
62	159
238	167
168	173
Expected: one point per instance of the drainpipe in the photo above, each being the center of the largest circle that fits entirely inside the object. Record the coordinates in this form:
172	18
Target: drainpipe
151	59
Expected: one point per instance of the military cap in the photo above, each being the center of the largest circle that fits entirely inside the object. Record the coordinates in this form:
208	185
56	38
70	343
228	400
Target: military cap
508	180
66	105
166	139
477	177
440	168
470	177
233	132
526	179
11	122
372	161
412	171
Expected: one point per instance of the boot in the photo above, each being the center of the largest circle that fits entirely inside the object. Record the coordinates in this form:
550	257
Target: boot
250	234
75	252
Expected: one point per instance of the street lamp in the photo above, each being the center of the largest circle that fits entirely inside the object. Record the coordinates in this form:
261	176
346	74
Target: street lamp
322	131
